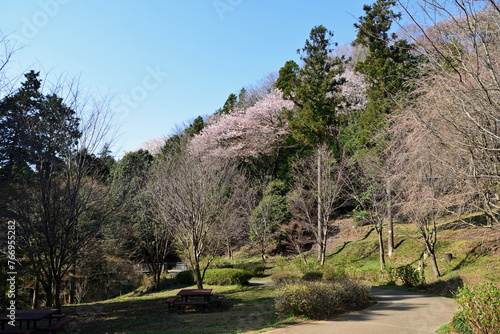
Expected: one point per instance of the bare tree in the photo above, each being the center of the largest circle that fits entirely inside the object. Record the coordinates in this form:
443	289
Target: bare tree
267	216
368	187
306	200
458	100
192	197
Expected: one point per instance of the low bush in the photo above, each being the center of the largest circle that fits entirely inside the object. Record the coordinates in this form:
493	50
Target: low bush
459	324
256	269
317	300
334	272
390	274
305	267
313	276
480	307
409	276
185	277
226	276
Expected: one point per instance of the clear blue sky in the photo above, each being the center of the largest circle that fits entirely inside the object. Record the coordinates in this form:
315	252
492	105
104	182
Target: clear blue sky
166	62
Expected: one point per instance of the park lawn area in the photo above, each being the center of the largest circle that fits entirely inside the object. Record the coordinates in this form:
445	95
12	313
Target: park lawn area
245	309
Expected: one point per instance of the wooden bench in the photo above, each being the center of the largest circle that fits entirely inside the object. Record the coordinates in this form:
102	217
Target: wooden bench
17	331
59	324
170	301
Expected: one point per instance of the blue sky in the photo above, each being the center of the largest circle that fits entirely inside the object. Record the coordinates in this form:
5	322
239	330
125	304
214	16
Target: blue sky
166	62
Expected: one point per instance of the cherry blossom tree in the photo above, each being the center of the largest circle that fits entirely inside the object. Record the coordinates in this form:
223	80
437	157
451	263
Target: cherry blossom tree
244	132
352	93
154	146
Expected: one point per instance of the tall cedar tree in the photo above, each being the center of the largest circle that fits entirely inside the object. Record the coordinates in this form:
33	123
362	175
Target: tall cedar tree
315	121
387	68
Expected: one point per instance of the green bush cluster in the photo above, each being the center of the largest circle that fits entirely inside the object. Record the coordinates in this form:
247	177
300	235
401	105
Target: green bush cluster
334	272
312	276
409	275
318	300
185	277
460	324
226	276
305	267
256	269
480	307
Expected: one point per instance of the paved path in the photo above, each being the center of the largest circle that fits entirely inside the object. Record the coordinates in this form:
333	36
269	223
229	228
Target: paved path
397	312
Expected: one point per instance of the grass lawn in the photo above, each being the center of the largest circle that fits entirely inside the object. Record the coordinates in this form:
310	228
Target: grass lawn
245	309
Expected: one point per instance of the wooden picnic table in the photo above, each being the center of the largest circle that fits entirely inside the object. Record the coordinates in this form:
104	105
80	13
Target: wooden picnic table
186	293
29	315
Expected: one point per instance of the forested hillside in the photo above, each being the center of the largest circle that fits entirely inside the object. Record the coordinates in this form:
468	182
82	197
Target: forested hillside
399	128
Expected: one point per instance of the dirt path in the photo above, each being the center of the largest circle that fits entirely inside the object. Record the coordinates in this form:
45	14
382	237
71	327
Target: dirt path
397	312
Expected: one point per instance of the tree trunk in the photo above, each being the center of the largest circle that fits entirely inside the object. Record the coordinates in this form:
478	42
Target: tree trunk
390	226
57	292
434	264
199	281
34	304
72	290
381	249
320	230
49	297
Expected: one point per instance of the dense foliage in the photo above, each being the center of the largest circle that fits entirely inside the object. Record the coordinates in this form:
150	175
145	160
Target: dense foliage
321	300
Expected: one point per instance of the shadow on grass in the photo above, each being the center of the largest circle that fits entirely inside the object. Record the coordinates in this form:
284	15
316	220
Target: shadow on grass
243	309
445	288
348	242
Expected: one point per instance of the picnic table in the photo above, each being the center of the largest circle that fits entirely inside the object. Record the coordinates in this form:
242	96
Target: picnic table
195	295
29	315
186	293
36	315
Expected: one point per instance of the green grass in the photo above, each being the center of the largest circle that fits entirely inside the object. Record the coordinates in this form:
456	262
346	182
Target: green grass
249	308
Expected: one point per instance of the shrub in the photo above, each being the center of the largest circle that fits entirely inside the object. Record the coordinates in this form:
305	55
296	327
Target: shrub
334	272
313	276
317	300
311	265
409	275
280	262
226	276
256	269
459	324
390	274
185	277
480	307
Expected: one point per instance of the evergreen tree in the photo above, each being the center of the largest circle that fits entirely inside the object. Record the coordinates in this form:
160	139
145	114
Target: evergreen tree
287	77
387	68
315	120
228	105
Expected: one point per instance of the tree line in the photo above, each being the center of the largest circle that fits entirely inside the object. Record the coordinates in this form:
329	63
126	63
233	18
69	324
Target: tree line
393	128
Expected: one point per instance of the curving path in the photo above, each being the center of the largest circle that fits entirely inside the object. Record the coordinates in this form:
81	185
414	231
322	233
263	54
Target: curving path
397	312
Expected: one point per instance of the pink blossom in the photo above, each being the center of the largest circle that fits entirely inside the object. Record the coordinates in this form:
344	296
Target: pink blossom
353	92
245	132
